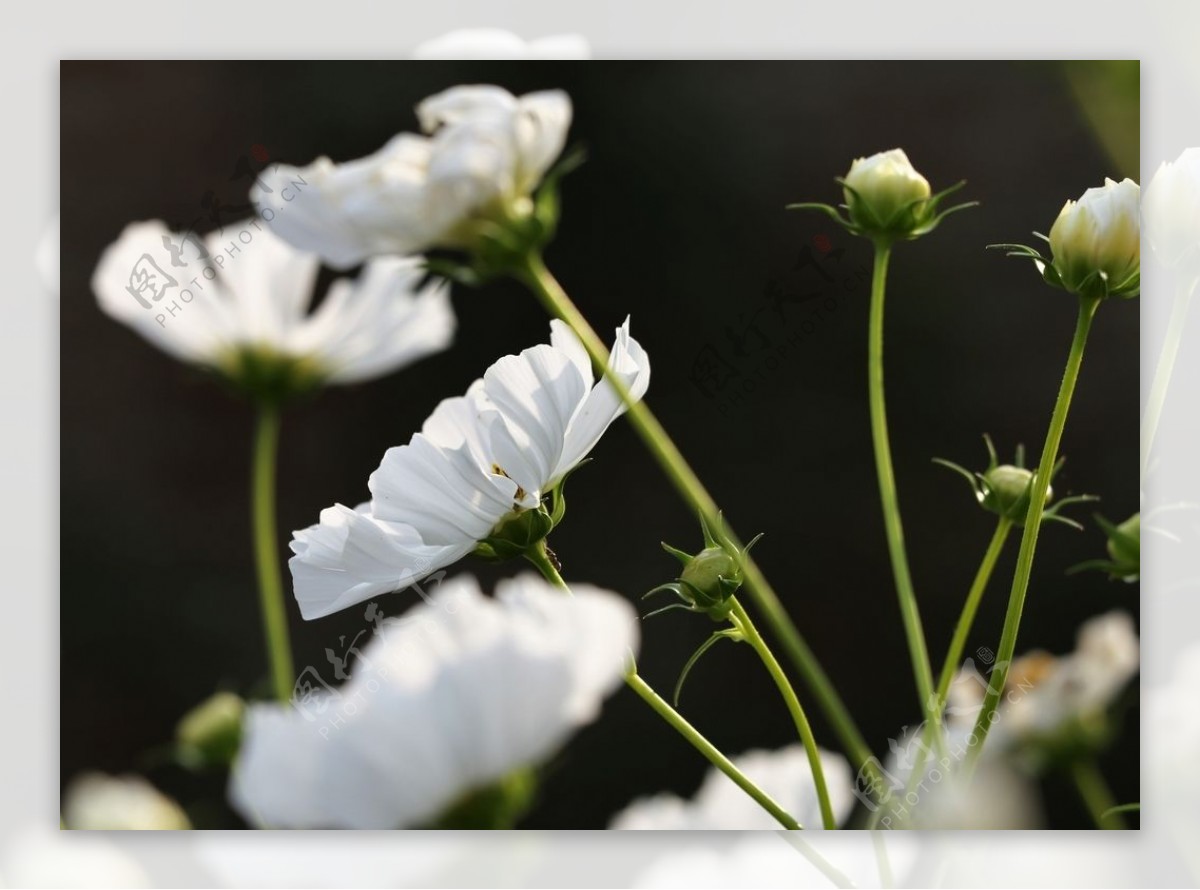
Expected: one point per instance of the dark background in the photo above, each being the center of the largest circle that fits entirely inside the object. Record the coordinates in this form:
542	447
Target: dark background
677	218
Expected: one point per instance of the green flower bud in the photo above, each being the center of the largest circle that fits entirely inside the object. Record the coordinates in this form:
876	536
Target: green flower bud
1096	242
887	200
1004	489
211	733
885	194
706	574
709	579
1124	548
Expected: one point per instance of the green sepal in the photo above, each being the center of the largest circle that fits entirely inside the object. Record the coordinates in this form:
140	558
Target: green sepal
716	637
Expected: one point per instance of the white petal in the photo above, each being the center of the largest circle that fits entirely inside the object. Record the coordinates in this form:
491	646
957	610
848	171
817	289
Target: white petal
138	261
457	693
541	128
631	364
350	557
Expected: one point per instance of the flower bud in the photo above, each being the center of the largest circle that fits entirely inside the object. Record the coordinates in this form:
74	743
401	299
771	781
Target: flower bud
1125	547
706	576
1005	491
211	733
1096	242
709	578
885	193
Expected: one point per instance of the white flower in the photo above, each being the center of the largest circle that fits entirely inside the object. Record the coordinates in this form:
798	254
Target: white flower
1047	694
878	188
96	802
500	448
454	696
496	43
721	805
1171	210
248	293
1096	241
487	152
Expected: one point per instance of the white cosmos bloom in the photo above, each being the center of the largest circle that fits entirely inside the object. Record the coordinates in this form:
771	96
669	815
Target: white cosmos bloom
221	302
883	185
1096	241
721	805
496	43
455	695
96	802
1046	693
500	448
486	153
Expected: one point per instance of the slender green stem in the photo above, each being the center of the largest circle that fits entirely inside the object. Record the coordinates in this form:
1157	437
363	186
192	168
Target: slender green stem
957	645
705	747
909	612
1033	521
539	556
1163	371
549	292
963	629
266	539
1096	796
751	635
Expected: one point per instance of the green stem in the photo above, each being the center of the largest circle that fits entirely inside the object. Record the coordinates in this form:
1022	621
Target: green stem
1033	521
1162	373
909	612
554	299
705	747
270	582
750	633
963	629
1096	796
957	645
539	556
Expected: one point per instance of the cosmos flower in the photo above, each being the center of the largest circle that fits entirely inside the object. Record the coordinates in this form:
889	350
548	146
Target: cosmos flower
238	303
485	152
1050	698
97	802
879	188
481	461
459	693
720	805
1096	241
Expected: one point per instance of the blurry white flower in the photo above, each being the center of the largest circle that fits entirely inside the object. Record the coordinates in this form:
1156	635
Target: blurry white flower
1171	210
1046	695
720	805
1096	242
243	301
879	188
496	43
487	153
96	802
480	459
459	693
